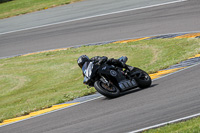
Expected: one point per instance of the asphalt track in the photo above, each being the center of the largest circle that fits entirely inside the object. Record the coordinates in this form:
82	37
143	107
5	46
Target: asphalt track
169	98
171	18
72	12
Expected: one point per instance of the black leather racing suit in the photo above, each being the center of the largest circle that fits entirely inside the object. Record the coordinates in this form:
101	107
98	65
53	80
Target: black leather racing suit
112	61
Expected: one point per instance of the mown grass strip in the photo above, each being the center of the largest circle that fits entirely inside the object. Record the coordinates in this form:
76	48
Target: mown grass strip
189	126
9	8
35	82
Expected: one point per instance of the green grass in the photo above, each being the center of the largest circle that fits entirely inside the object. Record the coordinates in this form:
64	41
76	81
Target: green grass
189	126
18	7
34	82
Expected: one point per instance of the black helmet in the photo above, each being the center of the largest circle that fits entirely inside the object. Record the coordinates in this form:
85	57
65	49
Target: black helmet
82	59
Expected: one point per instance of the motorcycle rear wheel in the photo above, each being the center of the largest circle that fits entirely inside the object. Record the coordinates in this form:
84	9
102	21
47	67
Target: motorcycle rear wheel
104	89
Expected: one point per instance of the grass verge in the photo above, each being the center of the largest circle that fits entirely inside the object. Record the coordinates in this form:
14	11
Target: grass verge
189	126
10	8
34	82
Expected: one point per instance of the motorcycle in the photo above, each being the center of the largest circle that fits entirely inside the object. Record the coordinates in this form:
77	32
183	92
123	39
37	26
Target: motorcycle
110	80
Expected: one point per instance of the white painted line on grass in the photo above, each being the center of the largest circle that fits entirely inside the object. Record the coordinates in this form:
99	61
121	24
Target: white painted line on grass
139	8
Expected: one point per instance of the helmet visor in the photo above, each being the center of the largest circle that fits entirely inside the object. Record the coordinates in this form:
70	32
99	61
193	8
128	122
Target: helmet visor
85	66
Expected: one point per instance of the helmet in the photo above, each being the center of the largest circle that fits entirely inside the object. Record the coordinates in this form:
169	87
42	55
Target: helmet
82	59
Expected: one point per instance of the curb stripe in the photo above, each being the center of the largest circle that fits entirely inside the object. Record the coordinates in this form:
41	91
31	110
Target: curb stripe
164	72
132	40
191	35
53	50
54	107
198	55
180	35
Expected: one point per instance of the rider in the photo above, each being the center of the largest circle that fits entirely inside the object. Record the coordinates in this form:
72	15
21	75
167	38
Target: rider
100	60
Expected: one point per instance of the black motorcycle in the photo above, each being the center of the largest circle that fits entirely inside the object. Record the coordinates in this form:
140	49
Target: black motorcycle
110	80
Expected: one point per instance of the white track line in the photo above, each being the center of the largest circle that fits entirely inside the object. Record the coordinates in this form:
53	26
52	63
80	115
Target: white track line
165	123
156	5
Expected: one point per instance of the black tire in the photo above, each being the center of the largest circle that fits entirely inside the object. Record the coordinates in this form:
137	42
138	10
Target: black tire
103	89
142	78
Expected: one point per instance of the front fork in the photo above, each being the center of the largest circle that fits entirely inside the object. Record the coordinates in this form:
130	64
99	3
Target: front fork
105	81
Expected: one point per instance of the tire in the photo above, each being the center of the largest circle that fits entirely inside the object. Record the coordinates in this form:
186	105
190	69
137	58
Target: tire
108	92
142	78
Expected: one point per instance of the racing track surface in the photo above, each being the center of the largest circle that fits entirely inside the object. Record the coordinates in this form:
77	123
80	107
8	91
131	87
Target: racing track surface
72	12
169	98
171	18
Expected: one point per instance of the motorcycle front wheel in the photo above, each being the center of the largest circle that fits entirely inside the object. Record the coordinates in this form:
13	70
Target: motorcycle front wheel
142	78
108	91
